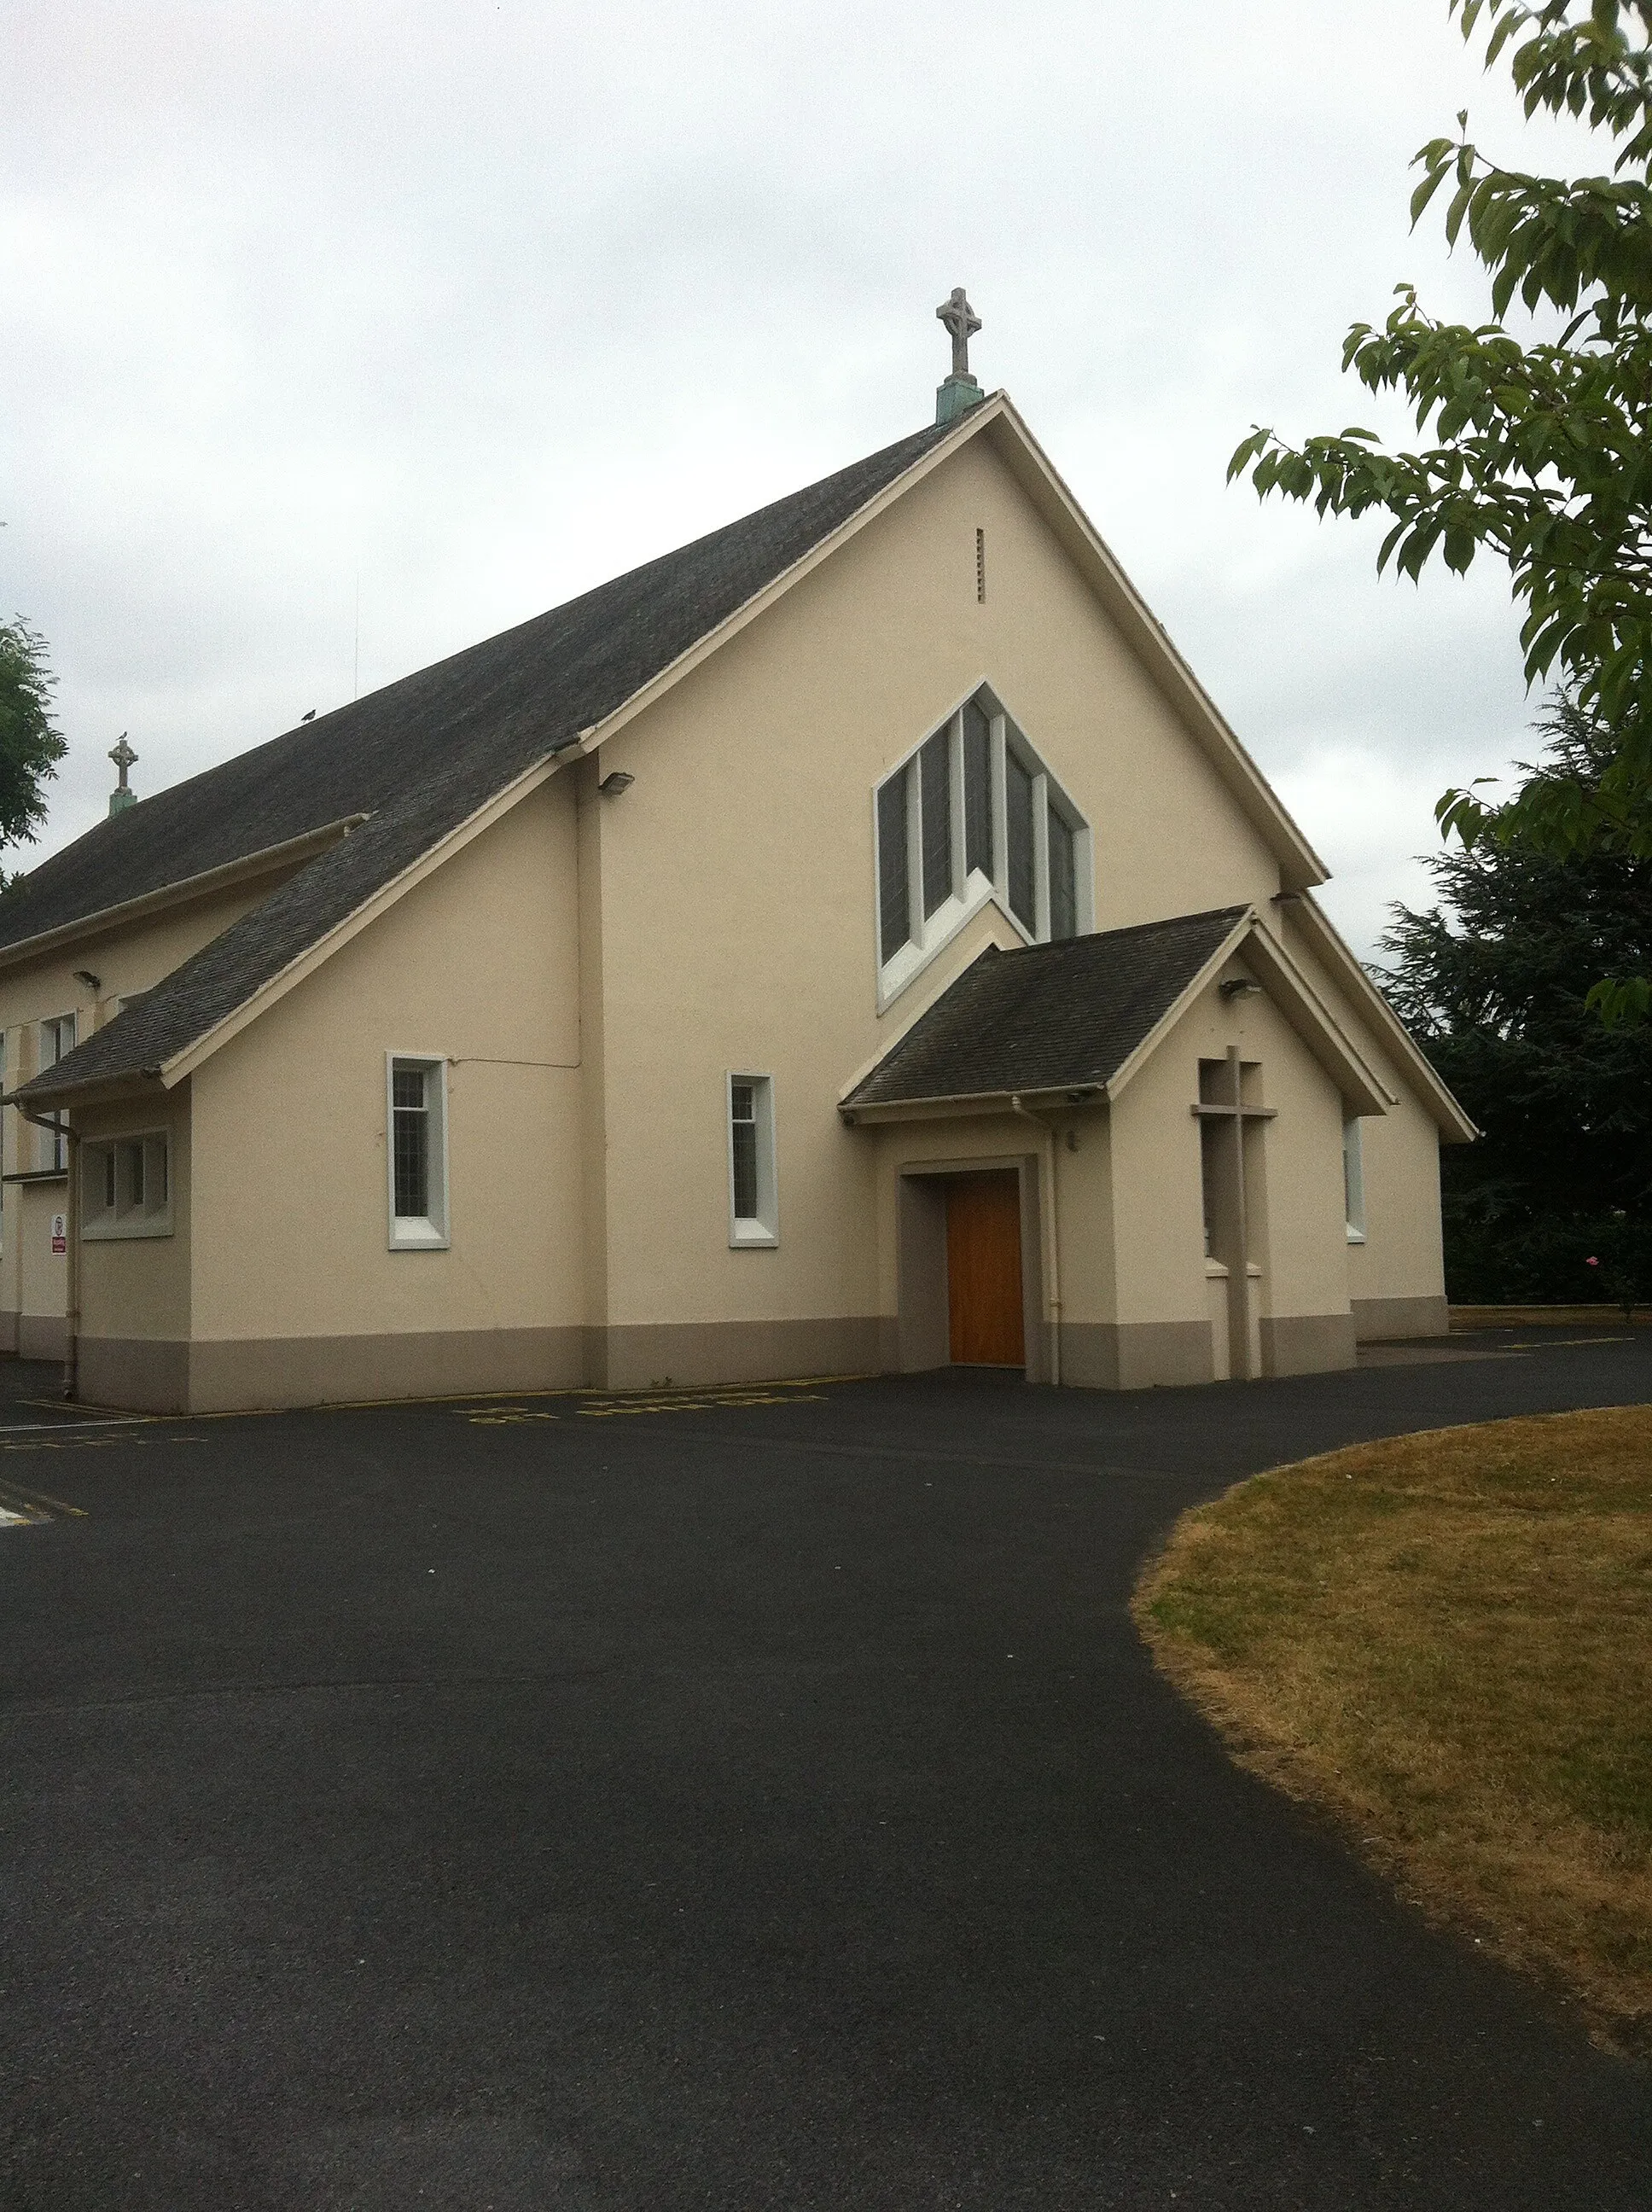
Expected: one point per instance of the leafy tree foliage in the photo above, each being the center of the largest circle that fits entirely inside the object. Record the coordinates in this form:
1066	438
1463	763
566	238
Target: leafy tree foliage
30	745
1541	453
1554	1203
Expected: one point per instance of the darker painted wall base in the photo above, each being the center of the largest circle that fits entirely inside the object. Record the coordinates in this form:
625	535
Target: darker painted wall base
1377	1318
176	1376
1306	1344
40	1336
1135	1355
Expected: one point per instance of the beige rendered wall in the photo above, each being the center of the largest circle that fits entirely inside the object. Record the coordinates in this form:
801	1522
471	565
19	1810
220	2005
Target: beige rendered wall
125	961
737	896
1294	1198
1397	1276
478	964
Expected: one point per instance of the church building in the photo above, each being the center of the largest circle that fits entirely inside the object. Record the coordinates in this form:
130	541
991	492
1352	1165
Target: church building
853	943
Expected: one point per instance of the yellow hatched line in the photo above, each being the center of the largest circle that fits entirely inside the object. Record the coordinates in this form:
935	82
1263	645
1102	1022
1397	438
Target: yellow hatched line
39	1503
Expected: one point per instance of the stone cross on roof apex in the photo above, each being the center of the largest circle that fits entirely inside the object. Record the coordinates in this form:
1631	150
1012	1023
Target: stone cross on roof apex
123	757
960	391
962	321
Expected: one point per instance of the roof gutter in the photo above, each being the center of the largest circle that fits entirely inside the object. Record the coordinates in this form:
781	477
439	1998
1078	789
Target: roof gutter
291	851
973	1102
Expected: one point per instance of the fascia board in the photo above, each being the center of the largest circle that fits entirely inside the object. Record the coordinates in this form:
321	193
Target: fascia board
183	1064
971	1103
1454	1125
1195	708
110	1090
1135	1060
1316	1025
1290	989
968	426
185	892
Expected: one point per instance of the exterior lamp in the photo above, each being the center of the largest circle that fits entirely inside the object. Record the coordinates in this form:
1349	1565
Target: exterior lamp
611	786
1238	987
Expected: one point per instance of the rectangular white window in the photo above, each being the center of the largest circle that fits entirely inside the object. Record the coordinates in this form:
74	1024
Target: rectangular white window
753	1214
126	1186
57	1042
417	1146
1353	1182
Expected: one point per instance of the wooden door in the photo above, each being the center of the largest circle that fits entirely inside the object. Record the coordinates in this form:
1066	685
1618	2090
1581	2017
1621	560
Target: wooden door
983	1269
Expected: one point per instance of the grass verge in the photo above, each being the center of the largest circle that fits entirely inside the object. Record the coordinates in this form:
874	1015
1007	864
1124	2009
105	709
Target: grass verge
1445	1641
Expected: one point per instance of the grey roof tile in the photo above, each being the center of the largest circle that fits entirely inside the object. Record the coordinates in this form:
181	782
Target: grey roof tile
1062	1017
417	758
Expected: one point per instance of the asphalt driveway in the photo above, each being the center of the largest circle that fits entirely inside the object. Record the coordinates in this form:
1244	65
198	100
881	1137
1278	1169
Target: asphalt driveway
758	1799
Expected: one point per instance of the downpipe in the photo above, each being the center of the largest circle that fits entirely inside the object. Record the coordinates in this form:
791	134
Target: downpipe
1047	1164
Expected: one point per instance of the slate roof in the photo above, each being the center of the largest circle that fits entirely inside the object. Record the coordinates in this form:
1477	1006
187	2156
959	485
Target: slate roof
1062	1016
418	758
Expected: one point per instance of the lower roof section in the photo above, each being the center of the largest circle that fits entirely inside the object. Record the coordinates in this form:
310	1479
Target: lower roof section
1078	1018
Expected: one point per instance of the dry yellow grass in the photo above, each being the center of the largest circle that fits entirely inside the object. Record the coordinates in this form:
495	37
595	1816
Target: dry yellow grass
1446	1641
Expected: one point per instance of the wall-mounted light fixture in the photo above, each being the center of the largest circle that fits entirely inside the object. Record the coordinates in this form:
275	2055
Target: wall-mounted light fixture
611	786
1238	987
85	976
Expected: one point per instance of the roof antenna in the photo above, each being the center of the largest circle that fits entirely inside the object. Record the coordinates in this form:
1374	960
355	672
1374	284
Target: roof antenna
960	393
123	757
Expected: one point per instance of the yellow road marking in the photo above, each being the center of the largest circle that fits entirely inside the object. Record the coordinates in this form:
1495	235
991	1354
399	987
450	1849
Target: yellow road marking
22	1502
604	1412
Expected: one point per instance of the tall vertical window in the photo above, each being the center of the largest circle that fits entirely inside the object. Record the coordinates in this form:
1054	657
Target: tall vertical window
57	1042
977	790
753	1212
971	815
1018	806
893	891
1064	878
417	1147
935	792
1353	1182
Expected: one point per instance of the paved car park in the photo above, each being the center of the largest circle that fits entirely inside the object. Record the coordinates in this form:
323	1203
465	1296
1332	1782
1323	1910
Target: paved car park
730	1798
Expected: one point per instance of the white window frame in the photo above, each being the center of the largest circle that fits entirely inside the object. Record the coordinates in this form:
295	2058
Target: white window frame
972	889
151	1215
1353	1179
762	1229
56	1147
421	1232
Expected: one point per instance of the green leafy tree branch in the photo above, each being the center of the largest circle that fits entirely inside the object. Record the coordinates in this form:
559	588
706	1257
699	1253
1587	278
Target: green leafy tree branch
31	745
1539	453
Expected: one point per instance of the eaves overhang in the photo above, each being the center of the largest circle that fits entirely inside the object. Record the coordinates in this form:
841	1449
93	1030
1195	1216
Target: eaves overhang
1256	952
1454	1124
976	1102
188	890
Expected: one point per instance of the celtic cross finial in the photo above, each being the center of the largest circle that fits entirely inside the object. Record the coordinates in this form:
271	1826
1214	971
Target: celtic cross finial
961	321
123	757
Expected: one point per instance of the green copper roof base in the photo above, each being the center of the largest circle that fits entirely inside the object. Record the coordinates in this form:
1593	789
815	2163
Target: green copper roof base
956	397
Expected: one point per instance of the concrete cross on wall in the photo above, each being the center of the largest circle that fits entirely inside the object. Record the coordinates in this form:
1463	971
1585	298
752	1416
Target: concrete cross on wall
962	321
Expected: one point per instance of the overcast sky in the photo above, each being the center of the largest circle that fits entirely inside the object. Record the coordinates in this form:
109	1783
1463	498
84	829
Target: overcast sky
459	308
